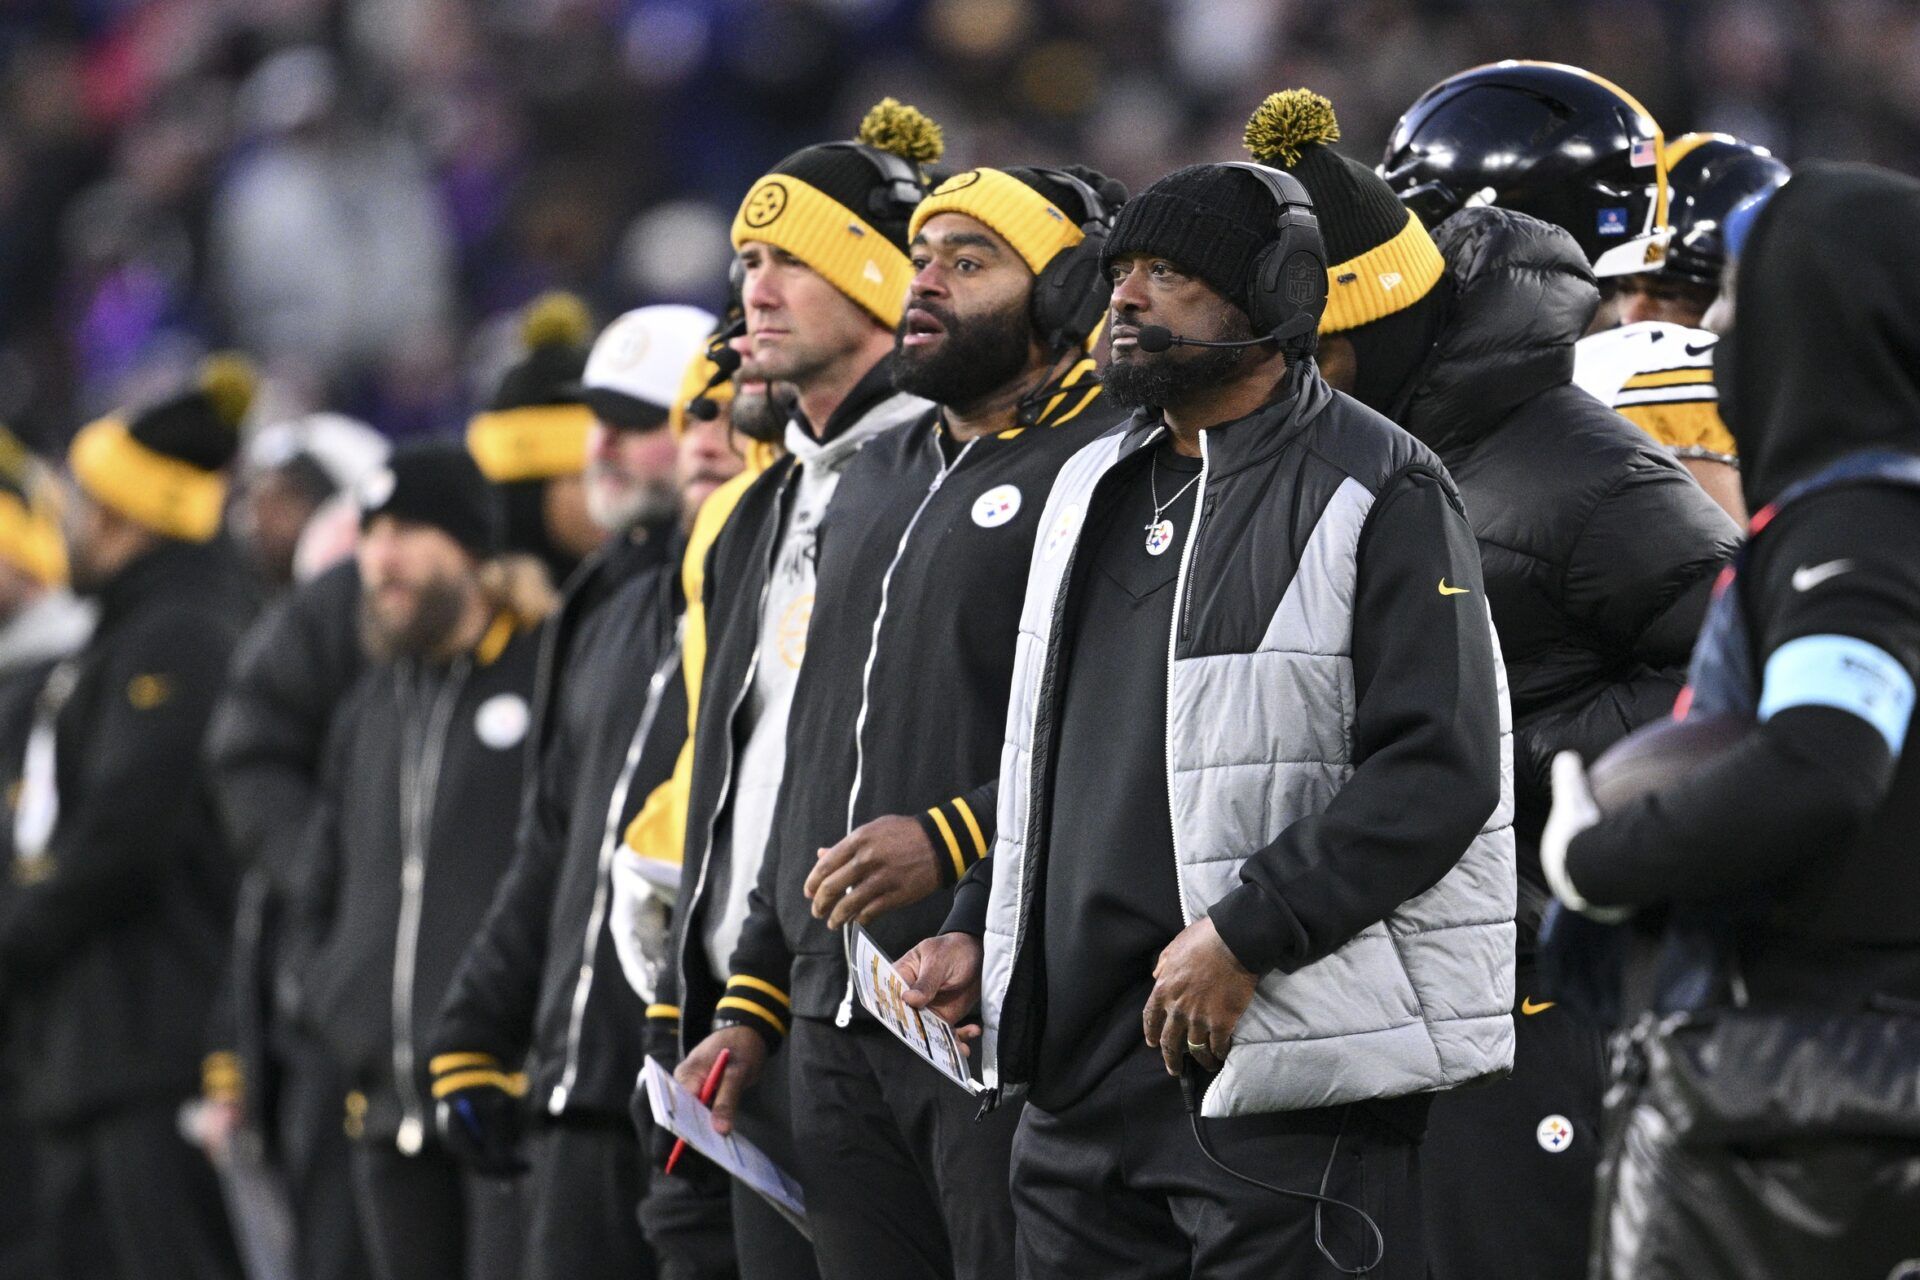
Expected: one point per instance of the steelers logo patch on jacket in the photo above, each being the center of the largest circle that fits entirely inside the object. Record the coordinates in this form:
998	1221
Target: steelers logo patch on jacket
145	692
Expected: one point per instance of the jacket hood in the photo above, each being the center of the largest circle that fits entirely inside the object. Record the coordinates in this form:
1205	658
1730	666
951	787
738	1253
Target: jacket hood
1824	356
1520	295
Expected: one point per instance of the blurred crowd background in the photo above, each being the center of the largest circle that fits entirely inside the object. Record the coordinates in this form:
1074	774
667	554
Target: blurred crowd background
359	192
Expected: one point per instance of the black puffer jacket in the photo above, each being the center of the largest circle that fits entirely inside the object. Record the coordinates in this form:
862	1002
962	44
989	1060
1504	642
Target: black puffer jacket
1599	550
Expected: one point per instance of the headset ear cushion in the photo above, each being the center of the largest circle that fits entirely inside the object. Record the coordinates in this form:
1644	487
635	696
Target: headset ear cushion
1267	306
1068	300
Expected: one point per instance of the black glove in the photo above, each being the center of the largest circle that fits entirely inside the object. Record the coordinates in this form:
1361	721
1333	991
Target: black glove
478	1113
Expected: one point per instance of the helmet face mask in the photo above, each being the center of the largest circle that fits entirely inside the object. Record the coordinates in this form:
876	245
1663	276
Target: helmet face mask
1555	142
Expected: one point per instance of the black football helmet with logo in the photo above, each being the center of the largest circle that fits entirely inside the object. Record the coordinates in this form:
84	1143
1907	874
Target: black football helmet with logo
1541	138
1710	175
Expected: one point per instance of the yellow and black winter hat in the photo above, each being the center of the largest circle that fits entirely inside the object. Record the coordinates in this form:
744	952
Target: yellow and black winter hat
1030	208
1381	259
164	467
535	427
1383	269
843	208
30	538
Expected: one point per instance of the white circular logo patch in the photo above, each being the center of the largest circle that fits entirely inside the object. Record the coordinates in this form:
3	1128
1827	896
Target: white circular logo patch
1554	1134
1065	525
502	720
630	344
996	506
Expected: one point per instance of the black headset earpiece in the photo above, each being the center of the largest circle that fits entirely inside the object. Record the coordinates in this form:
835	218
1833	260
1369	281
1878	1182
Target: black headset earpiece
1071	293
1288	293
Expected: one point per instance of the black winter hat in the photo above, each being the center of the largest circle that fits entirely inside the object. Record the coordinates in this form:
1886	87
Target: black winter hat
1211	219
436	483
555	329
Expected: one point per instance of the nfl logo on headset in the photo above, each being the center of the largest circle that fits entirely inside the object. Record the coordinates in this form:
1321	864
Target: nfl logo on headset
1613	221
1303	279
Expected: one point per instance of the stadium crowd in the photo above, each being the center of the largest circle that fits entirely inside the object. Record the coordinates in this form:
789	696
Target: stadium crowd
1366	691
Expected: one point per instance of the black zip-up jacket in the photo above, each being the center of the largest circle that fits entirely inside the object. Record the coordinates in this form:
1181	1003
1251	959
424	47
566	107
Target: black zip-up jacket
600	576
902	706
542	974
112	949
739	567
422	787
1599	550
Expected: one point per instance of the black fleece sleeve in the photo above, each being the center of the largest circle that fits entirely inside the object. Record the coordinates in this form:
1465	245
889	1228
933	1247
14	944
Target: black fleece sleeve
141	774
968	914
761	976
1803	783
1426	744
961	829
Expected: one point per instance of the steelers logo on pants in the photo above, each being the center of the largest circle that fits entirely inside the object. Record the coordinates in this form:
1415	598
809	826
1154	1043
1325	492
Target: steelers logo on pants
1554	1134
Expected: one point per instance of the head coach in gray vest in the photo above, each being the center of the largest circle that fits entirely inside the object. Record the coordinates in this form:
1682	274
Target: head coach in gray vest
1256	794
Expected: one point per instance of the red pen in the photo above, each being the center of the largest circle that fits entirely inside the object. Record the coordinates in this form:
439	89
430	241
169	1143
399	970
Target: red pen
708	1088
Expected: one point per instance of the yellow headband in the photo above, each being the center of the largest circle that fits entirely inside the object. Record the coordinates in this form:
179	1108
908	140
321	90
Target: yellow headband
1036	228
535	443
30	541
854	258
693	384
1383	280
165	495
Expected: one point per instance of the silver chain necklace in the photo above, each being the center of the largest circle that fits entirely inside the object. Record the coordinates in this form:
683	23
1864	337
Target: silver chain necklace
1160	532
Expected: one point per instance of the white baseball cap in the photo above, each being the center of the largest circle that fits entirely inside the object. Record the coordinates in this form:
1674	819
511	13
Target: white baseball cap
639	360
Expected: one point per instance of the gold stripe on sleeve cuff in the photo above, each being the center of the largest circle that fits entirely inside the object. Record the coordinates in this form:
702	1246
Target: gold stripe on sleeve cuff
973	828
748	1006
953	844
763	987
445	1062
515	1084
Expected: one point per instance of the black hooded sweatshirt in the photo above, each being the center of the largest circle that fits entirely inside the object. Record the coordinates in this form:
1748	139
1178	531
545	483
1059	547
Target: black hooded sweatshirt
1599	550
1810	819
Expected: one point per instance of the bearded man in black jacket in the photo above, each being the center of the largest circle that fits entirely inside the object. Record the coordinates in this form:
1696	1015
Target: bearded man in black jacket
916	613
421	787
1599	553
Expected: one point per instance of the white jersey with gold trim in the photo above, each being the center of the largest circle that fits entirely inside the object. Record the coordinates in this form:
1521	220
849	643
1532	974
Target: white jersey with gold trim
1658	376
